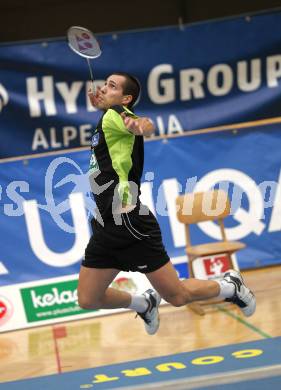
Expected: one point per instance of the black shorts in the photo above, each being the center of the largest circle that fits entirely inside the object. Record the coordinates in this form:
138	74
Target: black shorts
133	245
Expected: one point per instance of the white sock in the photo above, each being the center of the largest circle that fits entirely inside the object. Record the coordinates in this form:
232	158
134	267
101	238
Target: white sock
138	303
227	289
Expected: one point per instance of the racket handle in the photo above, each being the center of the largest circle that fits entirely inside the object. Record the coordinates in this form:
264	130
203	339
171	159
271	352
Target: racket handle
91	75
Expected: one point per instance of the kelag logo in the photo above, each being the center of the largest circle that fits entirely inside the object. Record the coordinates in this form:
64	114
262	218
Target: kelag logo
4	97
51	301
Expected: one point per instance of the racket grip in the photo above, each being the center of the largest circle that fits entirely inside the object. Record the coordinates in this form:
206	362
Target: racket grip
93	87
91	74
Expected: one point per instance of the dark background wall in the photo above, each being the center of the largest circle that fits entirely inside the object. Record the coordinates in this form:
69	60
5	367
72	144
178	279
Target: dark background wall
30	19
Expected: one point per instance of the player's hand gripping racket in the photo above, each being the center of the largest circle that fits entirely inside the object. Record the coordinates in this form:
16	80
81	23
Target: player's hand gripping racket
83	42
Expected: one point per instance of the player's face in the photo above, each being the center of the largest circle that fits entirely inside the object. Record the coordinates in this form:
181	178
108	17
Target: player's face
112	94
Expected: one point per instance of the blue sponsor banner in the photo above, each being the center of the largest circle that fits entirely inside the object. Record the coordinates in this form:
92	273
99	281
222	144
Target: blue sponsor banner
204	75
46	202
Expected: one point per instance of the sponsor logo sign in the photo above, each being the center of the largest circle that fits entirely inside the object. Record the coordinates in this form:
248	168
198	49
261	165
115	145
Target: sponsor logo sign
51	301
212	267
216	266
125	284
6	310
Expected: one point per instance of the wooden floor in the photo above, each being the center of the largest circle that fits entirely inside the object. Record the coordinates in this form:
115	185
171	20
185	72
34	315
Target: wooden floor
121	337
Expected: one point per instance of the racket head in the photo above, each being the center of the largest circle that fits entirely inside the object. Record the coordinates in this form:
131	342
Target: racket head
83	42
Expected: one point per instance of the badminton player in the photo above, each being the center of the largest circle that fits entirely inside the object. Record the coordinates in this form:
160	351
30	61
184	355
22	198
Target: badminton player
126	235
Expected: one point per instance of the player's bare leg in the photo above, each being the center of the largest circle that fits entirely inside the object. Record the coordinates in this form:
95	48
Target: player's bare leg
94	293
232	288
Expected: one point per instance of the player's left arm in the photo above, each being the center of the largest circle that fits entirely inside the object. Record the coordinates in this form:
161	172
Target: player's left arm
139	126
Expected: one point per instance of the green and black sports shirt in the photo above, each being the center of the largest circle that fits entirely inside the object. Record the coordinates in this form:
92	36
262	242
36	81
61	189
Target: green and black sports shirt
116	163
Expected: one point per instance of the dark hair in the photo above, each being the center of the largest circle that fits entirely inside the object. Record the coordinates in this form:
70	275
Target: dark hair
130	87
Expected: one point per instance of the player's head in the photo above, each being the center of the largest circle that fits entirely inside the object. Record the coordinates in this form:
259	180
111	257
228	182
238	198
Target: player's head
119	89
131	87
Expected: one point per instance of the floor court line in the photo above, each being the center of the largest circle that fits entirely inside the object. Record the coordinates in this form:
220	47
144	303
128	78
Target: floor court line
243	321
57	333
